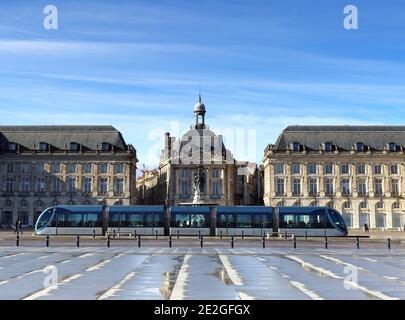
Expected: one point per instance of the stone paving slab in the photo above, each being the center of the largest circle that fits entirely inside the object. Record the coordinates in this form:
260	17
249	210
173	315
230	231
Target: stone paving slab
91	273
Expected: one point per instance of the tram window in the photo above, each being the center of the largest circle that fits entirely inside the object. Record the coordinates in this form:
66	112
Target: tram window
262	221
135	220
43	221
114	220
244	221
223	221
91	220
60	219
74	220
153	220
226	220
337	219
198	221
182	220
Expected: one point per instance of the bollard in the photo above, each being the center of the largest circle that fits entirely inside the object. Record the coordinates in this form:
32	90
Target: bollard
264	242
108	241
232	242
178	234
357	243
220	234
78	241
114	234
139	241
326	243
17	240
243	234
285	235
294	241
201	242
94	233
170	241
47	241
156	234
306	235
389	243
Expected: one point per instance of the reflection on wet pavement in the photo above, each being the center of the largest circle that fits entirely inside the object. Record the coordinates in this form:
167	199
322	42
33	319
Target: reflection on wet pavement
194	273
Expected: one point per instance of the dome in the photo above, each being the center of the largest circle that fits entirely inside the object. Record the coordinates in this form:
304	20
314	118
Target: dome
199	107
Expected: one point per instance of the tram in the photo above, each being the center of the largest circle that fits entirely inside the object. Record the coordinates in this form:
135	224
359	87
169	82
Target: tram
189	221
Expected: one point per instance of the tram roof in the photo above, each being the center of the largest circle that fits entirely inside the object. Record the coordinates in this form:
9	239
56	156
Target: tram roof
244	209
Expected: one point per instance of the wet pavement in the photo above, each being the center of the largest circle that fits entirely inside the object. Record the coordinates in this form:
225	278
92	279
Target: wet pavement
91	273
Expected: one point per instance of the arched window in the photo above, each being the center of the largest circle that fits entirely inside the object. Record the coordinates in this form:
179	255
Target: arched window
279	204
71	203
313	204
39	203
87	203
297	204
396	205
330	204
8	203
24	203
380	205
54	203
118	203
347	205
363	205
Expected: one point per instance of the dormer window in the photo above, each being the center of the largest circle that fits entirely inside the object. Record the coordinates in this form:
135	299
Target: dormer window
105	146
296	146
12	146
328	146
360	147
43	146
393	147
74	146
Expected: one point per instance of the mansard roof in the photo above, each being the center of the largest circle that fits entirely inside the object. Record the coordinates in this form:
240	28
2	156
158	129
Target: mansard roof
342	137
60	137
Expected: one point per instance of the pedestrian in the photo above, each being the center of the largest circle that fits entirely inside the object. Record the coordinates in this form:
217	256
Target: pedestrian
16	227
366	228
20	227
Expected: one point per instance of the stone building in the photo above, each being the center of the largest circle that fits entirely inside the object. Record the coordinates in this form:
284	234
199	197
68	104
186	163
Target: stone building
228	182
358	170
146	187
42	166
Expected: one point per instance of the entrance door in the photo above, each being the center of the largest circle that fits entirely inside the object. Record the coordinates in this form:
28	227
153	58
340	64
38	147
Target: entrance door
6	218
364	218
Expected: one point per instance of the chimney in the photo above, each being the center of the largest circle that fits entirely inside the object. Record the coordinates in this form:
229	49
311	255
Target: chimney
168	145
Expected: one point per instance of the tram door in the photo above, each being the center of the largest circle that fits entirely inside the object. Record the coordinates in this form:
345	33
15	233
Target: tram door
227	221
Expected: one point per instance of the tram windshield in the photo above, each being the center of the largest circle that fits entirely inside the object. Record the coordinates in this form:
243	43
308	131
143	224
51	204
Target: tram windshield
44	219
337	220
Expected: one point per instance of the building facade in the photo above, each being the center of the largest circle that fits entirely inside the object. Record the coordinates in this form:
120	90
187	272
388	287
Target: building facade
358	170
42	166
227	181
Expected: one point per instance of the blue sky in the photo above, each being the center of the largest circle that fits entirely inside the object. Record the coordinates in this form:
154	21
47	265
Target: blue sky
263	65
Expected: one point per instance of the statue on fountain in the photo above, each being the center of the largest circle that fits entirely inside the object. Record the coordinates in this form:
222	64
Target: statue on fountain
199	185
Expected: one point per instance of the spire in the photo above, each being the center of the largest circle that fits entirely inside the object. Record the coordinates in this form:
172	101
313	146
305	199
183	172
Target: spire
199	98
